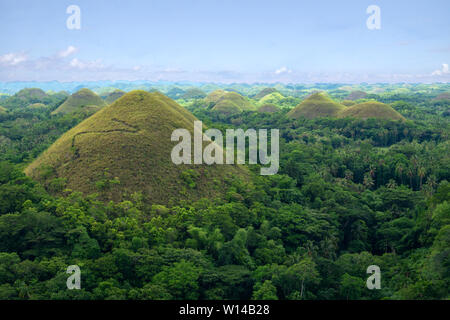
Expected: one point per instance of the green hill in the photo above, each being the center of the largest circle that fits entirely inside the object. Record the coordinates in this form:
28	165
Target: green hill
193	93
264	92
274	98
316	105
268	108
26	97
348	103
355	95
231	103
113	96
83	100
130	141
371	109
214	96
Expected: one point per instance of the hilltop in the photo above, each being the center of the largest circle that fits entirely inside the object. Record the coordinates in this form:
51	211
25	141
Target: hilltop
26	97
316	105
214	96
371	109
114	95
264	92
193	93
231	103
83	100
274	97
126	148
355	95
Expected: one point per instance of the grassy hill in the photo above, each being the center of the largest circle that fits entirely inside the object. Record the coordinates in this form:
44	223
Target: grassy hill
348	103
130	141
264	92
26	97
231	103
274	98
371	109
355	95
113	96
214	96
83	100
316	105
268	108
193	93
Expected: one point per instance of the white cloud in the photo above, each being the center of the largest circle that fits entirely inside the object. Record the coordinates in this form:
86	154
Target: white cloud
441	72
67	52
96	64
12	59
283	70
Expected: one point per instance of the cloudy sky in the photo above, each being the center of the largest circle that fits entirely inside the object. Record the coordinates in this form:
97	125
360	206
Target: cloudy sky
225	41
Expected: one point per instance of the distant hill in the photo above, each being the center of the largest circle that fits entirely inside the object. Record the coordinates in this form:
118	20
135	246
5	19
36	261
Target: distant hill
316	105
26	97
83	100
232	103
371	109
214	96
268	108
274	98
264	92
355	95
126	148
113	96
348	103
443	96
175	93
193	93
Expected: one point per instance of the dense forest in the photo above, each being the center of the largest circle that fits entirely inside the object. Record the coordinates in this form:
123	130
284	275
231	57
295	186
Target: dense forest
350	193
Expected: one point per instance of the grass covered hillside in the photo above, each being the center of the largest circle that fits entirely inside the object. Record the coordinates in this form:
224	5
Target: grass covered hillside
214	96
348	103
315	106
113	96
232	102
268	108
371	109
355	95
274	97
126	148
264	92
193	93
83	100
26	97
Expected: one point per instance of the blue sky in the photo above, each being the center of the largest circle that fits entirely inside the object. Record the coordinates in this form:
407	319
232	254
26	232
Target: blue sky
225	41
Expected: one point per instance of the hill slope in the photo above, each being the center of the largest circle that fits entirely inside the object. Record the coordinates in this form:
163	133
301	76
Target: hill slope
131	140
264	92
371	109
113	96
268	108
83	100
316	105
231	103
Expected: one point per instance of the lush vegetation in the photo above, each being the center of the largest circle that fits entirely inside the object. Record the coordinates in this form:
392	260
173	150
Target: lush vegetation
350	193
